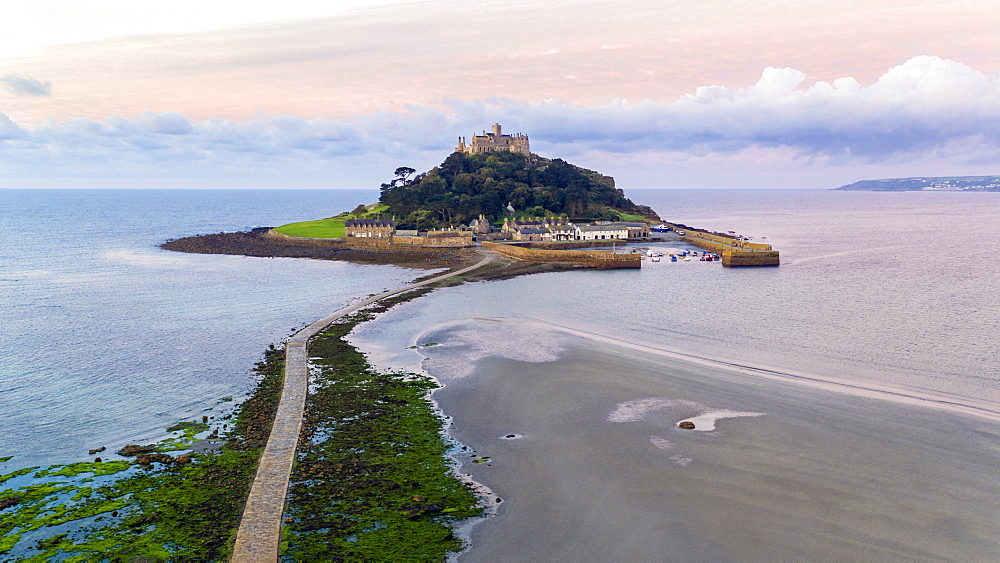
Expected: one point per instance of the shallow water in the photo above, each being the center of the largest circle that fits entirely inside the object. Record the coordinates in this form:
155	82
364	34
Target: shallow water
107	339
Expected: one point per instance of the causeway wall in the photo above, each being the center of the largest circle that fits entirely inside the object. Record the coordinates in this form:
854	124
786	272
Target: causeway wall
603	259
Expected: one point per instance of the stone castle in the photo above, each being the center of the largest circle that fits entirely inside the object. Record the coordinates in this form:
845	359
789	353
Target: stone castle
495	141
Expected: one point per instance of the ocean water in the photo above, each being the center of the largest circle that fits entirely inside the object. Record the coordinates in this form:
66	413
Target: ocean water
105	339
895	290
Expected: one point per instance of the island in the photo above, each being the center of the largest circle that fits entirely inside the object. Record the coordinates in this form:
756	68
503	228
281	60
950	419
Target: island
928	184
493	194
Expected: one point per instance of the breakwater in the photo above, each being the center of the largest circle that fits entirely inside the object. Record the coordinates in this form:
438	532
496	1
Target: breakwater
601	259
734	252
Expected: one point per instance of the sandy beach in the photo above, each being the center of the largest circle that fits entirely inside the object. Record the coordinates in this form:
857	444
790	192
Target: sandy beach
583	447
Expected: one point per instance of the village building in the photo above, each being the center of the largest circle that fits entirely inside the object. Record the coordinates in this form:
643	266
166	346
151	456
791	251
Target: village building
601	232
636	229
480	226
369	228
495	141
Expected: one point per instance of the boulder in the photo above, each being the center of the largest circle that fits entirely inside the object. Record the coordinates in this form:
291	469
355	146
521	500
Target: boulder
687	425
135	449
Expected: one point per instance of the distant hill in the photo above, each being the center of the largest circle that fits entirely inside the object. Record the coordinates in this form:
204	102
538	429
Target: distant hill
945	183
467	185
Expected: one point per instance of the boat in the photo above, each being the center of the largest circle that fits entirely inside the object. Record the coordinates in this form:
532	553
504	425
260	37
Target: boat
673	258
686	259
655	258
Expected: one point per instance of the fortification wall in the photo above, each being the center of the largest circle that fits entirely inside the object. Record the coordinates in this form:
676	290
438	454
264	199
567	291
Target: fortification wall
602	259
438	241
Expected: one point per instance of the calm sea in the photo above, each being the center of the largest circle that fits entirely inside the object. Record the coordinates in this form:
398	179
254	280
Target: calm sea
105	339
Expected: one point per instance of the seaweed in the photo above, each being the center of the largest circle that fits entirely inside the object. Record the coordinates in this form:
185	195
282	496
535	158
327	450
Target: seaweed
186	507
372	480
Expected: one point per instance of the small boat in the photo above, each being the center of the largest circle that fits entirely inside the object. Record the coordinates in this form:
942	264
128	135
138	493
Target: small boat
655	258
686	259
673	258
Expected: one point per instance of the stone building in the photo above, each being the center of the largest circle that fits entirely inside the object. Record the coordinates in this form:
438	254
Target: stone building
495	141
369	228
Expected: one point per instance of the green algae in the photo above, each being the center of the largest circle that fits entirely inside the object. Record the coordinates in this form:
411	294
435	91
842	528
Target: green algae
372	481
164	511
6	459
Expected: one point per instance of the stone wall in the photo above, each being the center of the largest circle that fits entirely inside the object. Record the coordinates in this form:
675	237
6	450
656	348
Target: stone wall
734	252
457	240
750	258
602	259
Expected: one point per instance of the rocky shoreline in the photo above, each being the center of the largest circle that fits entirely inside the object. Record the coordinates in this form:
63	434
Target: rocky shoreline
257	243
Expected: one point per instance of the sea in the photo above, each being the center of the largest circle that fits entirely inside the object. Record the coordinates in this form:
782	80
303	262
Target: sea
106	339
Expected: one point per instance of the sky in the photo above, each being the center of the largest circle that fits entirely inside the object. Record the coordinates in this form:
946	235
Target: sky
657	93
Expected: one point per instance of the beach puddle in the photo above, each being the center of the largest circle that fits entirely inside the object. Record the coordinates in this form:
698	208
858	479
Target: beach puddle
458	346
706	422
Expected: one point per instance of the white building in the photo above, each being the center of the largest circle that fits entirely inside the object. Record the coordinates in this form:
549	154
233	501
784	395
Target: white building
601	232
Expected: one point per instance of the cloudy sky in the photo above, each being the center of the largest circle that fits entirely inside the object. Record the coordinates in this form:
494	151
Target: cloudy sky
658	93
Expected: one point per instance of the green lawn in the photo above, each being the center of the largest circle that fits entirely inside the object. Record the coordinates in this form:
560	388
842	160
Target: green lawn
322	228
328	228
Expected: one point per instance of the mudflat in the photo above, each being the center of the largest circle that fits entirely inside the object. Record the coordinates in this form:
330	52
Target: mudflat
580	441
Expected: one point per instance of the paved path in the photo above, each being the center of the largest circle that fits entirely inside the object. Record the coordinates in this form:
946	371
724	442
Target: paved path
259	533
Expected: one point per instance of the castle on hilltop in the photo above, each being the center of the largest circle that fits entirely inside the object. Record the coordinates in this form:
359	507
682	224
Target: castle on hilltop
489	142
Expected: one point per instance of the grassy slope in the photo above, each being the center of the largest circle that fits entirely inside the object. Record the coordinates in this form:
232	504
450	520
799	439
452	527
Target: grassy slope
332	227
322	228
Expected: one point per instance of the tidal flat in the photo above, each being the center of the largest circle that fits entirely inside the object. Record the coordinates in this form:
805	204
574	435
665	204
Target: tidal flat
580	440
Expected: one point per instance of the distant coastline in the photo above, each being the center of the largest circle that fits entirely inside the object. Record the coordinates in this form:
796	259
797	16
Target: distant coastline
928	184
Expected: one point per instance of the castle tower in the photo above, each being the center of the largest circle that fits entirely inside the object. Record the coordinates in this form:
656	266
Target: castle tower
496	130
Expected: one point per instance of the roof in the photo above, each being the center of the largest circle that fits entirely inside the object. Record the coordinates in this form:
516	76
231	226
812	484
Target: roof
592	228
370	223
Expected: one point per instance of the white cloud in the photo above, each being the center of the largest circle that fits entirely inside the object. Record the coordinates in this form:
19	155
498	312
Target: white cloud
927	108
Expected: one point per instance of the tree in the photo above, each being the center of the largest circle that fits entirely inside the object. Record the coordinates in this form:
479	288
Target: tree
359	211
402	173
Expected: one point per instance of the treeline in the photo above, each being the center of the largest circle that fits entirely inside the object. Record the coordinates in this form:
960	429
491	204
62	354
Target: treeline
467	185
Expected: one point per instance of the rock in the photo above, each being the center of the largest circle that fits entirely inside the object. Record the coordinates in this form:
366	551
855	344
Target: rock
289	520
182	459
419	498
97	460
8	502
135	449
147	459
687	425
204	419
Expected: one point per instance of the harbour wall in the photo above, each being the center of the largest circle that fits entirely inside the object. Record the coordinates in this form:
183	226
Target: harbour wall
734	252
602	259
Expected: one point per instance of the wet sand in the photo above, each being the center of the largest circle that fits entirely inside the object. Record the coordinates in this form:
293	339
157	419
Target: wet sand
598	470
